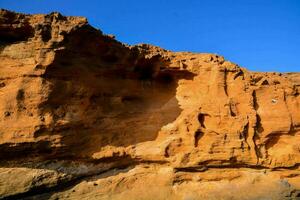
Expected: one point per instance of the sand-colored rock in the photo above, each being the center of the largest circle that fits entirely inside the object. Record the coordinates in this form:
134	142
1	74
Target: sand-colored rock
83	116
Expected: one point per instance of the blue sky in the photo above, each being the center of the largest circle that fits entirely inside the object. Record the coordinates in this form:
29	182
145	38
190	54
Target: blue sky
261	35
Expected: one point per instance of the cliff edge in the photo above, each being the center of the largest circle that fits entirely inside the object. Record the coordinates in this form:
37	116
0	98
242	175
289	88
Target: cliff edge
83	116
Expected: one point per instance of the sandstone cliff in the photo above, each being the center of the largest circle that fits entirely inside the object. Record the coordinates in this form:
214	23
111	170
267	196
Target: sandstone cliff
83	116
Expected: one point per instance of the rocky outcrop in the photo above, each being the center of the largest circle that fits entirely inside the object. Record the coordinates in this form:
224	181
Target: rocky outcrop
84	116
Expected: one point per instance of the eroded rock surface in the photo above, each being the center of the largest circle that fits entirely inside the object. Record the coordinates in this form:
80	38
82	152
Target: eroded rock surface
83	116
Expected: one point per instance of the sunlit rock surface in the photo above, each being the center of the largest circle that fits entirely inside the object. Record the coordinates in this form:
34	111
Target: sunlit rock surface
83	116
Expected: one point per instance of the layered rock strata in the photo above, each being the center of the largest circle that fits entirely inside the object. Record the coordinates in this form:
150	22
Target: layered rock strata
83	116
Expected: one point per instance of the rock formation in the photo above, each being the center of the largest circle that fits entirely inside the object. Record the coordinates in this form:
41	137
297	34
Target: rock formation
83	116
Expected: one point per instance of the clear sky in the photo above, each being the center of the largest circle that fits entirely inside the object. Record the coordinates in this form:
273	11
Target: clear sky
262	35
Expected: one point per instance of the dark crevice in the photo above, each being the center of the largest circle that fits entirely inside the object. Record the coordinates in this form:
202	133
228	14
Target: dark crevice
198	135
255	104
240	73
225	82
258	126
45	31
231	165
245	133
191	169
265	82
167	154
201	119
45	192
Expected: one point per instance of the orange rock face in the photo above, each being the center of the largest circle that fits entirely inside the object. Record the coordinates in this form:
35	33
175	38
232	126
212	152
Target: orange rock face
83	116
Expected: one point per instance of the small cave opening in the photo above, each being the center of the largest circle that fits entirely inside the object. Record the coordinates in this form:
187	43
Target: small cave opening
201	119
46	32
147	68
265	82
126	102
198	135
145	72
165	77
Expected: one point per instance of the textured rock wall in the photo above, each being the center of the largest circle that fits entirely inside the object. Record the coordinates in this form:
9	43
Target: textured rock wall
85	116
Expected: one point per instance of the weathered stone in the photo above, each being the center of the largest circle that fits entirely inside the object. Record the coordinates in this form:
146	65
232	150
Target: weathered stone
89	118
